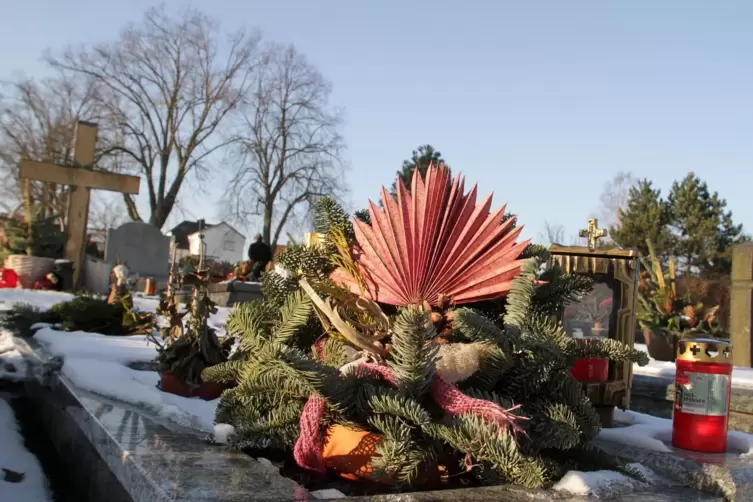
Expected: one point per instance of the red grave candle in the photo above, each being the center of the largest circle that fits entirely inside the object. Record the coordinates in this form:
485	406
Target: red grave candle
590	369
703	380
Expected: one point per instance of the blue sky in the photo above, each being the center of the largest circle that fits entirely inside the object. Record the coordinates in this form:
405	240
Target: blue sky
540	102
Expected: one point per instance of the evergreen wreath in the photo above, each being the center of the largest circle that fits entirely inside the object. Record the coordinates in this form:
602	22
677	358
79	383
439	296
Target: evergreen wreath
481	390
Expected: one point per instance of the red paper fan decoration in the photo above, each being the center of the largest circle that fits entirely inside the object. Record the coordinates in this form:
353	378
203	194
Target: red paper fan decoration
434	240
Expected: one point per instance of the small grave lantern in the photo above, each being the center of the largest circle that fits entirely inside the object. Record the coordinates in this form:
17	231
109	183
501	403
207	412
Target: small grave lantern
607	312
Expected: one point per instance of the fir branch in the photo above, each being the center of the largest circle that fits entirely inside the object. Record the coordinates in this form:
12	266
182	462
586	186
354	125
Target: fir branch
363	215
329	215
400	406
229	371
559	290
414	355
471	434
521	293
476	327
553	425
294	316
608	349
399	455
333	353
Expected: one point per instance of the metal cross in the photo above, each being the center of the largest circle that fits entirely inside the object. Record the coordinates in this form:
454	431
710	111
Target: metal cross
593	233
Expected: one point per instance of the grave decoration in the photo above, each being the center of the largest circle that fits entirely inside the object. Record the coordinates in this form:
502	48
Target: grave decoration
119	291
605	314
667	316
703	387
30	246
416	350
240	272
185	349
86	313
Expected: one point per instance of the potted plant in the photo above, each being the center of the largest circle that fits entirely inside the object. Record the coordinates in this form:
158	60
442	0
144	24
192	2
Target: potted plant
185	349
31	245
666	316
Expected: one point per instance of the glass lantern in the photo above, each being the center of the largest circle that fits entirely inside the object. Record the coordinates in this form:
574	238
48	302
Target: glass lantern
608	311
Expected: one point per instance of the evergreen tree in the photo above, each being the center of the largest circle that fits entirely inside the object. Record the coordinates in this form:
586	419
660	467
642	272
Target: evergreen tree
421	158
523	358
703	232
646	216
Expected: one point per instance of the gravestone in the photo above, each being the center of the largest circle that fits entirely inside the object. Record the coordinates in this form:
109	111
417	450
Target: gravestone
226	294
142	247
741	305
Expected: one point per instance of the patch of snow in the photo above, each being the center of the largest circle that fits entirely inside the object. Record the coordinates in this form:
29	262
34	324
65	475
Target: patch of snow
741	377
12	363
99	363
654	433
40	299
643	431
222	432
327	494
597	483
15	457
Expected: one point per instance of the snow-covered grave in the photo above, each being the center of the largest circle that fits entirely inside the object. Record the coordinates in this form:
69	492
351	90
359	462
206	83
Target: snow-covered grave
153	442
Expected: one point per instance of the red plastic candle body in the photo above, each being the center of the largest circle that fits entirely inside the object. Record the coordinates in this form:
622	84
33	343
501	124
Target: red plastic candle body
591	369
701	410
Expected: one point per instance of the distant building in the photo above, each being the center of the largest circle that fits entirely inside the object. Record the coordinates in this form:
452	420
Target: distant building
180	234
222	242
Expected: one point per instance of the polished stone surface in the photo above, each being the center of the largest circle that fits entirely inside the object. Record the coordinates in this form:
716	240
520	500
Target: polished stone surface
151	461
136	457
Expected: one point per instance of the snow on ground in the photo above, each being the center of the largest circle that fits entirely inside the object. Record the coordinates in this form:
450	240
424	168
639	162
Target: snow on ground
99	363
654	433
741	377
598	483
12	363
14	456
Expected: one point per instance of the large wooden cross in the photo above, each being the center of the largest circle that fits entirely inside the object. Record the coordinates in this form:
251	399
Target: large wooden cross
81	179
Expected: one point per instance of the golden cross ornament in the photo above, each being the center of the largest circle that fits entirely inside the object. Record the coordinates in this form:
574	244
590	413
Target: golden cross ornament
593	233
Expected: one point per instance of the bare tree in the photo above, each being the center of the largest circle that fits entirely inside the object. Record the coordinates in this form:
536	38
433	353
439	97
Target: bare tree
106	212
287	146
553	233
613	197
166	88
37	120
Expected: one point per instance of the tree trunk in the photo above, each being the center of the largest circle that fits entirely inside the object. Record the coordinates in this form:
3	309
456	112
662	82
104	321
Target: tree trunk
267	230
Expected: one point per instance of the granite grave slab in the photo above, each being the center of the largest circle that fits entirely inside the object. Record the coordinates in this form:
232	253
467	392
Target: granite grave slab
154	460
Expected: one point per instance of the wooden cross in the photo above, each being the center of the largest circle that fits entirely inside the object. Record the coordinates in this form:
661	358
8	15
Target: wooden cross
593	233
81	179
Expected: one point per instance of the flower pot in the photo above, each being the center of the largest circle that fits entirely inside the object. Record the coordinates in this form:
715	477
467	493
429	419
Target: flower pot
206	390
660	347
349	452
29	268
